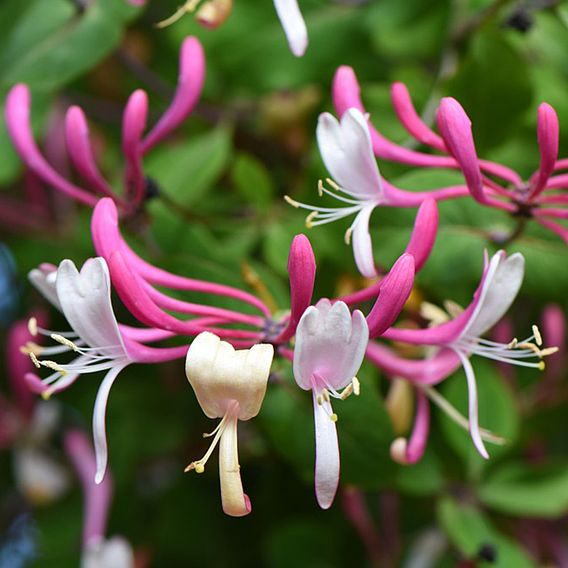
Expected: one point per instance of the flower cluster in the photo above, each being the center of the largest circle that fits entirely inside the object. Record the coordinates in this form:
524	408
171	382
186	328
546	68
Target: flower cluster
229	359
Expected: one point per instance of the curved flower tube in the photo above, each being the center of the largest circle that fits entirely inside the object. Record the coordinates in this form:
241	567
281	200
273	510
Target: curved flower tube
347	152
135	145
491	184
100	344
461	337
330	346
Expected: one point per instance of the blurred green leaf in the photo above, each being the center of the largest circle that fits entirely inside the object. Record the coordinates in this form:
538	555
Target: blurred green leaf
469	530
497	413
520	490
187	172
253	181
493	101
423	478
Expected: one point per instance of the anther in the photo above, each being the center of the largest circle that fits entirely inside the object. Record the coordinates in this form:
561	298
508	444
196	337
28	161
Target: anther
333	417
291	201
347	237
32	326
325	394
548	351
537	335
332	184
347	391
34	359
64	341
186	8
31	347
531	346
356	386
310	218
53	366
513	344
541	365
320	188
197	466
453	308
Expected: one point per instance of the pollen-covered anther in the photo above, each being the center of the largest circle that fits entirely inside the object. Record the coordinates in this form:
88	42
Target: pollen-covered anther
347	236
354	387
433	313
333	417
291	201
513	344
64	341
548	351
310	218
31	347
32	326
537	335
333	185
531	346
198	466
320	187
35	360
453	308
53	366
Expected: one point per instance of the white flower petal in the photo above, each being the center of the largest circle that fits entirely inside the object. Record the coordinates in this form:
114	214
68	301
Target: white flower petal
293	24
99	425
43	280
500	288
347	153
113	553
327	455
362	244
85	300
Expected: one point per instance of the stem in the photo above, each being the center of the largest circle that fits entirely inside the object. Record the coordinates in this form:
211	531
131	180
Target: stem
514	235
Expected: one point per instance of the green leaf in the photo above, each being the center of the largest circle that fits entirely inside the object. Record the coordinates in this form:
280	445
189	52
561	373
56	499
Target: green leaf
469	530
423	478
518	490
252	181
51	44
492	100
186	172
497	413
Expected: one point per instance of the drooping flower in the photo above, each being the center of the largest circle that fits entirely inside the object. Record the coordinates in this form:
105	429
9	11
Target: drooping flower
460	338
100	344
541	197
330	347
98	551
347	152
135	144
229	385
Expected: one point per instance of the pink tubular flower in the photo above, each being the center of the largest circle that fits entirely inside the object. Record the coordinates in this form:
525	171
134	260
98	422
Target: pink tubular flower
100	343
135	144
347	152
98	552
330	346
457	339
540	197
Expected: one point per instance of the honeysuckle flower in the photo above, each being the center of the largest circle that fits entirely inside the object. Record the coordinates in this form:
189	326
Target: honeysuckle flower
540	197
229	385
135	144
347	153
330	346
85	299
459	338
98	552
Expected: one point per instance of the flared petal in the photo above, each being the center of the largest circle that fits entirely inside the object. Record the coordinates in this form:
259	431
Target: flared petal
293	24
43	279
500	288
362	244
99	423
347	153
86	303
235	502
327	454
115	552
330	342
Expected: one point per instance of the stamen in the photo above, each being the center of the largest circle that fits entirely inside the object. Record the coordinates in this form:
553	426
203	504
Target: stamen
32	326
291	202
542	366
548	351
513	344
531	346
433	313
537	335
310	218
356	386
453	308
199	465
31	347
347	237
53	366
35	360
333	417
184	9
320	188
333	184
64	341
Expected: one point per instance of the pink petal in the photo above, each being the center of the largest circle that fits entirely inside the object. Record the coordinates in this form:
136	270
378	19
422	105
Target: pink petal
395	289
548	133
424	233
